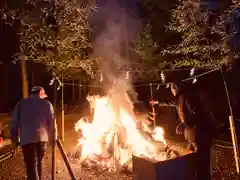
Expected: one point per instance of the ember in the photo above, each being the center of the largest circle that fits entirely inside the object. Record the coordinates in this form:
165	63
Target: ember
114	134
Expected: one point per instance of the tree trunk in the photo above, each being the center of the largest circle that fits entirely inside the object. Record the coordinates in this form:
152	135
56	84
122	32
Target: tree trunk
79	92
33	79
73	93
24	78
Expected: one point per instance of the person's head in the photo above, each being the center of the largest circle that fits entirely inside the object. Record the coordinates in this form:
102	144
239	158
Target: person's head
175	88
39	91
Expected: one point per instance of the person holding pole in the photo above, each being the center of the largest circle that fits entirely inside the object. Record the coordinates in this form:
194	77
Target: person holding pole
33	118
196	126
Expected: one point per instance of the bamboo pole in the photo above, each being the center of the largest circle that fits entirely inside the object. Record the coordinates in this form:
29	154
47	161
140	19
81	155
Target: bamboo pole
62	103
153	108
235	143
232	126
54	136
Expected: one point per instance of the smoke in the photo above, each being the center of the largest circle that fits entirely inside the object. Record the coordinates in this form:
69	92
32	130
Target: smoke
115	32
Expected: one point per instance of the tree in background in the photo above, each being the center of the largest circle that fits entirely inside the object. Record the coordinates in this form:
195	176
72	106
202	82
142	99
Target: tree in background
56	35
158	14
201	45
8	13
146	50
228	26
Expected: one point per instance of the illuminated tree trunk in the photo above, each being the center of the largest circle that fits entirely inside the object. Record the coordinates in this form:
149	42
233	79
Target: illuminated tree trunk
73	92
24	78
79	91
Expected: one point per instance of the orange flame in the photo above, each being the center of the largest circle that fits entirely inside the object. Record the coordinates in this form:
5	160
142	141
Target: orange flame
113	133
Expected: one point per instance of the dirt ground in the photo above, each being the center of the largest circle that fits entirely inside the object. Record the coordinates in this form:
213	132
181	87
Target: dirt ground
223	164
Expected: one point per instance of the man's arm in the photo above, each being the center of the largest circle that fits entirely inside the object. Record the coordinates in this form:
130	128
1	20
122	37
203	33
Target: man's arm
189	111
164	103
15	123
50	116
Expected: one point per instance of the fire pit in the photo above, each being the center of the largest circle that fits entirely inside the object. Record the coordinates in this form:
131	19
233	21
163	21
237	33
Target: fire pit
180	168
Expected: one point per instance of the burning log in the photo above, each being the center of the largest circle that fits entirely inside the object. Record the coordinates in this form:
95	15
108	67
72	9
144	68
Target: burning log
181	168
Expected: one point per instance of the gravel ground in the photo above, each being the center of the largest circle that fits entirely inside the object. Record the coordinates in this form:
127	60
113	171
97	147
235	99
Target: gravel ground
13	169
223	164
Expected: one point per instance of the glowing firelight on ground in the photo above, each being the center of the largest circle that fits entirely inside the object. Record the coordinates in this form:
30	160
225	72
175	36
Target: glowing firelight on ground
114	133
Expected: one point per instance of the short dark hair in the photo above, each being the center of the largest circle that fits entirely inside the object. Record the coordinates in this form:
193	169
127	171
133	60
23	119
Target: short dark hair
36	90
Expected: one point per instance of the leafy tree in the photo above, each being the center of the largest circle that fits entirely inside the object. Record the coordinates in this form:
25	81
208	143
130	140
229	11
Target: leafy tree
56	35
146	50
228	26
201	43
158	14
145	46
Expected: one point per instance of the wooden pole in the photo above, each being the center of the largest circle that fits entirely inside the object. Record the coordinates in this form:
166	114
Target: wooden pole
24	77
54	137
232	126
153	108
62	103
235	143
64	156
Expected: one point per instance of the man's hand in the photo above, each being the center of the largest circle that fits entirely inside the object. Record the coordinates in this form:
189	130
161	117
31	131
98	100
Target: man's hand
15	143
180	129
190	133
153	102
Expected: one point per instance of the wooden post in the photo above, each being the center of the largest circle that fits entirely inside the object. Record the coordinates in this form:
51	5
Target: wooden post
62	102
54	135
232	126
235	143
153	108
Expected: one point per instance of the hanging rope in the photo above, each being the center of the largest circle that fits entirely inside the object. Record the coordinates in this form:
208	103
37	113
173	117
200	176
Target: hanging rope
163	78
199	75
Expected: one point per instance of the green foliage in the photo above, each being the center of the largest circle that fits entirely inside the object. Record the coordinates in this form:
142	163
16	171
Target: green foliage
201	44
56	35
149	61
144	46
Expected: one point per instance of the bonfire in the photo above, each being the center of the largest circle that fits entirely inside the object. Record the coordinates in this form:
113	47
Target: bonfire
114	134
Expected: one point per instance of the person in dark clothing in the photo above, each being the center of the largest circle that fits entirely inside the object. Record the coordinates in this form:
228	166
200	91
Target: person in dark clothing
33	117
195	125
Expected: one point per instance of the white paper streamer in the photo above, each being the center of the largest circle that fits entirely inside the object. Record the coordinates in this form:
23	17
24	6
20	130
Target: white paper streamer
192	71
101	78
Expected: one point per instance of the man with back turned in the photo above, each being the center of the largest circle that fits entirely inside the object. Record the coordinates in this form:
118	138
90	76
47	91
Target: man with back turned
32	117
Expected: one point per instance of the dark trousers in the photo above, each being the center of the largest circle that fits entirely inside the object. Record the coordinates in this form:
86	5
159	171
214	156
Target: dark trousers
203	155
33	154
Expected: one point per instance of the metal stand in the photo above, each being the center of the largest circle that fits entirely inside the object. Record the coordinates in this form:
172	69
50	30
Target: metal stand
56	141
